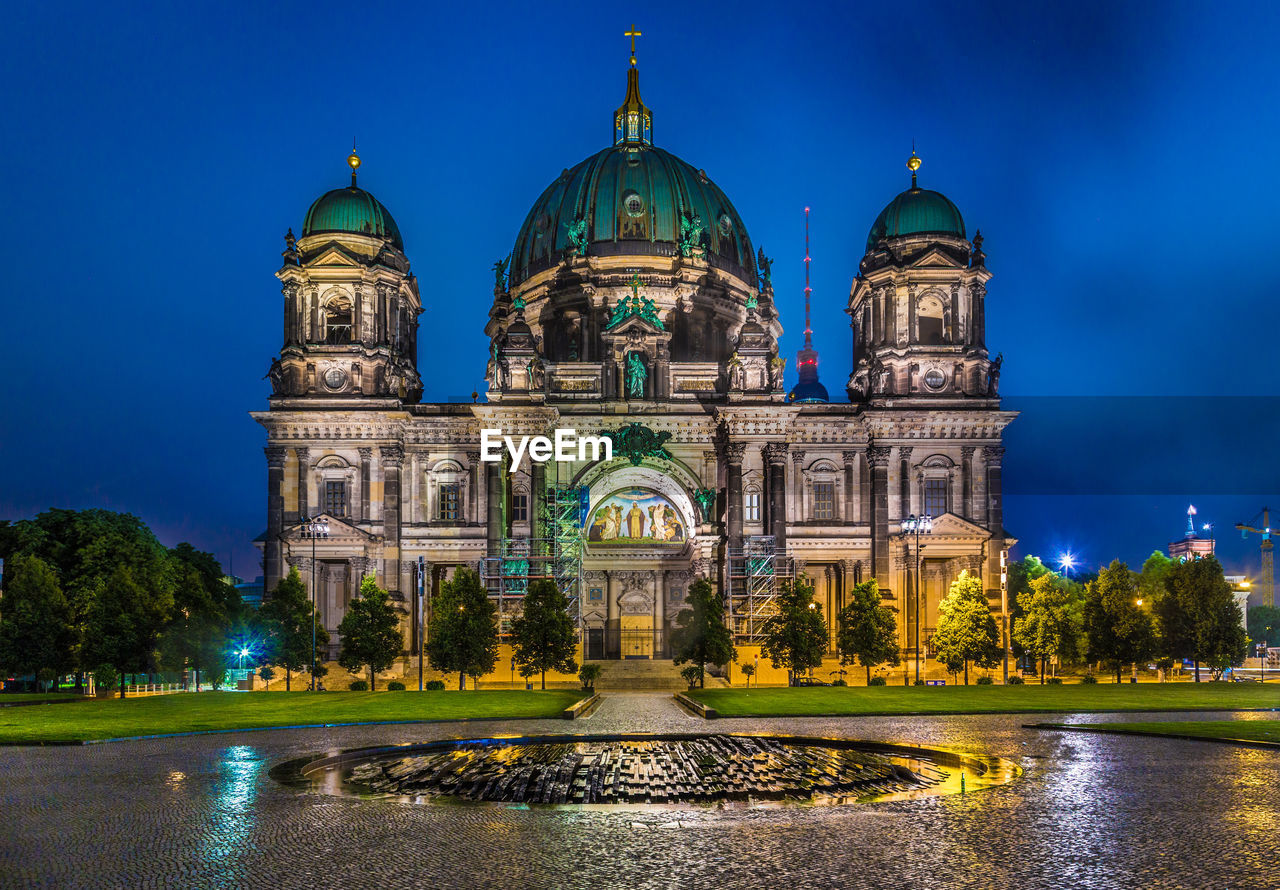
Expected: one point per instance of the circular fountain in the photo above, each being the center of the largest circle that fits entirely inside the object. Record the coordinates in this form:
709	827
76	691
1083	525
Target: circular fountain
643	769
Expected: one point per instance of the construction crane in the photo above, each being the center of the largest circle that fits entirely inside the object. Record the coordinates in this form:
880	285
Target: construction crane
1268	579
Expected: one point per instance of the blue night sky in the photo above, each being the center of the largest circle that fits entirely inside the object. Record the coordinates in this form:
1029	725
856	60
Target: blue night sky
1117	157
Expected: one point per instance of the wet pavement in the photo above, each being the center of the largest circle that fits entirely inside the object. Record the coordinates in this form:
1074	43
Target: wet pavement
1088	812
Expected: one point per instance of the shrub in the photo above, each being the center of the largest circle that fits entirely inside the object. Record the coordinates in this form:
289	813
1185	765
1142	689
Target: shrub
106	679
435	685
1088	678
919	683
588	675
1054	681
986	681
267	673
359	686
1015	680
691	674
395	686
876	681
839	683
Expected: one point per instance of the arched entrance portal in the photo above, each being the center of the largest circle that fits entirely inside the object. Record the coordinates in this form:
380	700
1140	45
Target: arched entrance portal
639	547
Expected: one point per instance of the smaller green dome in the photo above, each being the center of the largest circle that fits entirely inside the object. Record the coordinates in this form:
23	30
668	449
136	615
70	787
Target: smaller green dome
917	211
353	211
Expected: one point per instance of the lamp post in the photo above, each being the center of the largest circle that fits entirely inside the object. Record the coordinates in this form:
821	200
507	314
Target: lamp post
315	527
917	525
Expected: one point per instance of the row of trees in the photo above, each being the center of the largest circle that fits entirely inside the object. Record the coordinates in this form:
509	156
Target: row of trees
96	591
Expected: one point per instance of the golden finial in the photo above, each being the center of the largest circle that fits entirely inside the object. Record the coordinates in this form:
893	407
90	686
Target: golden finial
353	161
913	163
633	34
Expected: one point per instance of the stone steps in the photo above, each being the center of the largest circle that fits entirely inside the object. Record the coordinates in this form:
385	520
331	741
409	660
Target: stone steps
644	673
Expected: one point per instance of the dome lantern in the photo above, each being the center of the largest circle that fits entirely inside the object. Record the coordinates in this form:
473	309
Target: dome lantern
633	121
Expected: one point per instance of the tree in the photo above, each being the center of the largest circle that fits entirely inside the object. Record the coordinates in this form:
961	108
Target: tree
867	629
795	636
1021	573
1118	631
543	635
463	633
35	624
748	671
1048	624
371	635
84	548
1199	618
966	631
1264	625
700	635
204	608
125	618
285	624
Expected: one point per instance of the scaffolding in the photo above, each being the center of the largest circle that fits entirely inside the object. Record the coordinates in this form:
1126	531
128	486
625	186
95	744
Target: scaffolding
553	554
754	571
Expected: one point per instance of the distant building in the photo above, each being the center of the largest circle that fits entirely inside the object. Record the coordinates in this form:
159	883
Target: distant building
250	591
1191	545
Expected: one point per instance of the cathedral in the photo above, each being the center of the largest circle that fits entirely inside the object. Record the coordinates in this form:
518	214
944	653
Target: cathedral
635	307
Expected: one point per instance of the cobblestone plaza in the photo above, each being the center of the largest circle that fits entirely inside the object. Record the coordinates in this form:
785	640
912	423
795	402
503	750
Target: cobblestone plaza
203	811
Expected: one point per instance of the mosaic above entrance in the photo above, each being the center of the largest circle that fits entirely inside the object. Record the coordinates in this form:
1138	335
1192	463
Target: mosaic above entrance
636	516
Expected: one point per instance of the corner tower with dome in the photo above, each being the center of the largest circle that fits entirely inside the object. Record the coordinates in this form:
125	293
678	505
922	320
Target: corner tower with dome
634	305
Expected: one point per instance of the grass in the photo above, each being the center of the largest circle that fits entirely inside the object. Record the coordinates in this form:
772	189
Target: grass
196	712
855	700
1224	730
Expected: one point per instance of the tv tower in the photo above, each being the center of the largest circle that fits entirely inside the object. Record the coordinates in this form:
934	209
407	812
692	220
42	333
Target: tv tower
809	389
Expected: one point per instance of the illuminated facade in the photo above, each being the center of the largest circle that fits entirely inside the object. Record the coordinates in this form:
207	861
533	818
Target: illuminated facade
635	303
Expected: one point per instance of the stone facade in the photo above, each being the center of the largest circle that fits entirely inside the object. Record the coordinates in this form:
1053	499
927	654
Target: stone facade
680	337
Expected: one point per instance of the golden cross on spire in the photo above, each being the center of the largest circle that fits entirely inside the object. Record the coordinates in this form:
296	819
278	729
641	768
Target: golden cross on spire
633	34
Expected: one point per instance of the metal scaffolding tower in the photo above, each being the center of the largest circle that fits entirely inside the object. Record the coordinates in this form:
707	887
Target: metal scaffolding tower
754	571
554	554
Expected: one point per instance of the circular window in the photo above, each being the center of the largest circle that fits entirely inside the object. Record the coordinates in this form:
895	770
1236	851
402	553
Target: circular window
335	378
633	203
933	378
726	224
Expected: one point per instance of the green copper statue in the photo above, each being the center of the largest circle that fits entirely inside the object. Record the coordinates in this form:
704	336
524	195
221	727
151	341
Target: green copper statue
649	313
620	311
637	373
690	234
578	237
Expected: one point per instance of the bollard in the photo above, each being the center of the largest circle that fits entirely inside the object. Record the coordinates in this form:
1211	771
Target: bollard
962	783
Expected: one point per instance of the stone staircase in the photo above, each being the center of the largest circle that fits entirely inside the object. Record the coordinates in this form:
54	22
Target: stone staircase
646	674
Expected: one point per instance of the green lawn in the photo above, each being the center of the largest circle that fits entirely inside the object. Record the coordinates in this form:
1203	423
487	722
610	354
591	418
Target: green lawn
853	700
1248	730
194	712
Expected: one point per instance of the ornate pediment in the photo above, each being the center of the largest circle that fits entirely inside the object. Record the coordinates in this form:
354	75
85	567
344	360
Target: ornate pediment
339	530
334	254
952	525
936	257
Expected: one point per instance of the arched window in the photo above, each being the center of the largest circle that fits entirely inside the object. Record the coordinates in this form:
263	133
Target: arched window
337	320
929	321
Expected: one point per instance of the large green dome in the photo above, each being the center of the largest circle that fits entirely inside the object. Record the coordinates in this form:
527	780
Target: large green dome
353	211
633	198
917	211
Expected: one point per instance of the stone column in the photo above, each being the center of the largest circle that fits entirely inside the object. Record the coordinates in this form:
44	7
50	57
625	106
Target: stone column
966	482
993	456
797	507
775	454
660	612
475	507
878	458
733	454
537	494
366	482
904	482
392	459
864	487
852	513
415	490
272	568
493	506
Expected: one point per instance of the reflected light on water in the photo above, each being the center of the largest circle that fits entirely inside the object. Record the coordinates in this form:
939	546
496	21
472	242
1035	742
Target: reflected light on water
232	812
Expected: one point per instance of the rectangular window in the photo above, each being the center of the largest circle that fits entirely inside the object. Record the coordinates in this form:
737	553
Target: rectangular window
335	498
449	510
519	508
824	500
752	508
935	497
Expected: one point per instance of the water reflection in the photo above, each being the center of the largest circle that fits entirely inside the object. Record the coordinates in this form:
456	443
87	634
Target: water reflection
233	816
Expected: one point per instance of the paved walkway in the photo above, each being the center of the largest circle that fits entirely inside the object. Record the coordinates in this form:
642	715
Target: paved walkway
1089	812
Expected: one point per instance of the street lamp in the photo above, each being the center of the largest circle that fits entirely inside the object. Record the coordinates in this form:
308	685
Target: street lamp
1067	562
918	526
313	528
